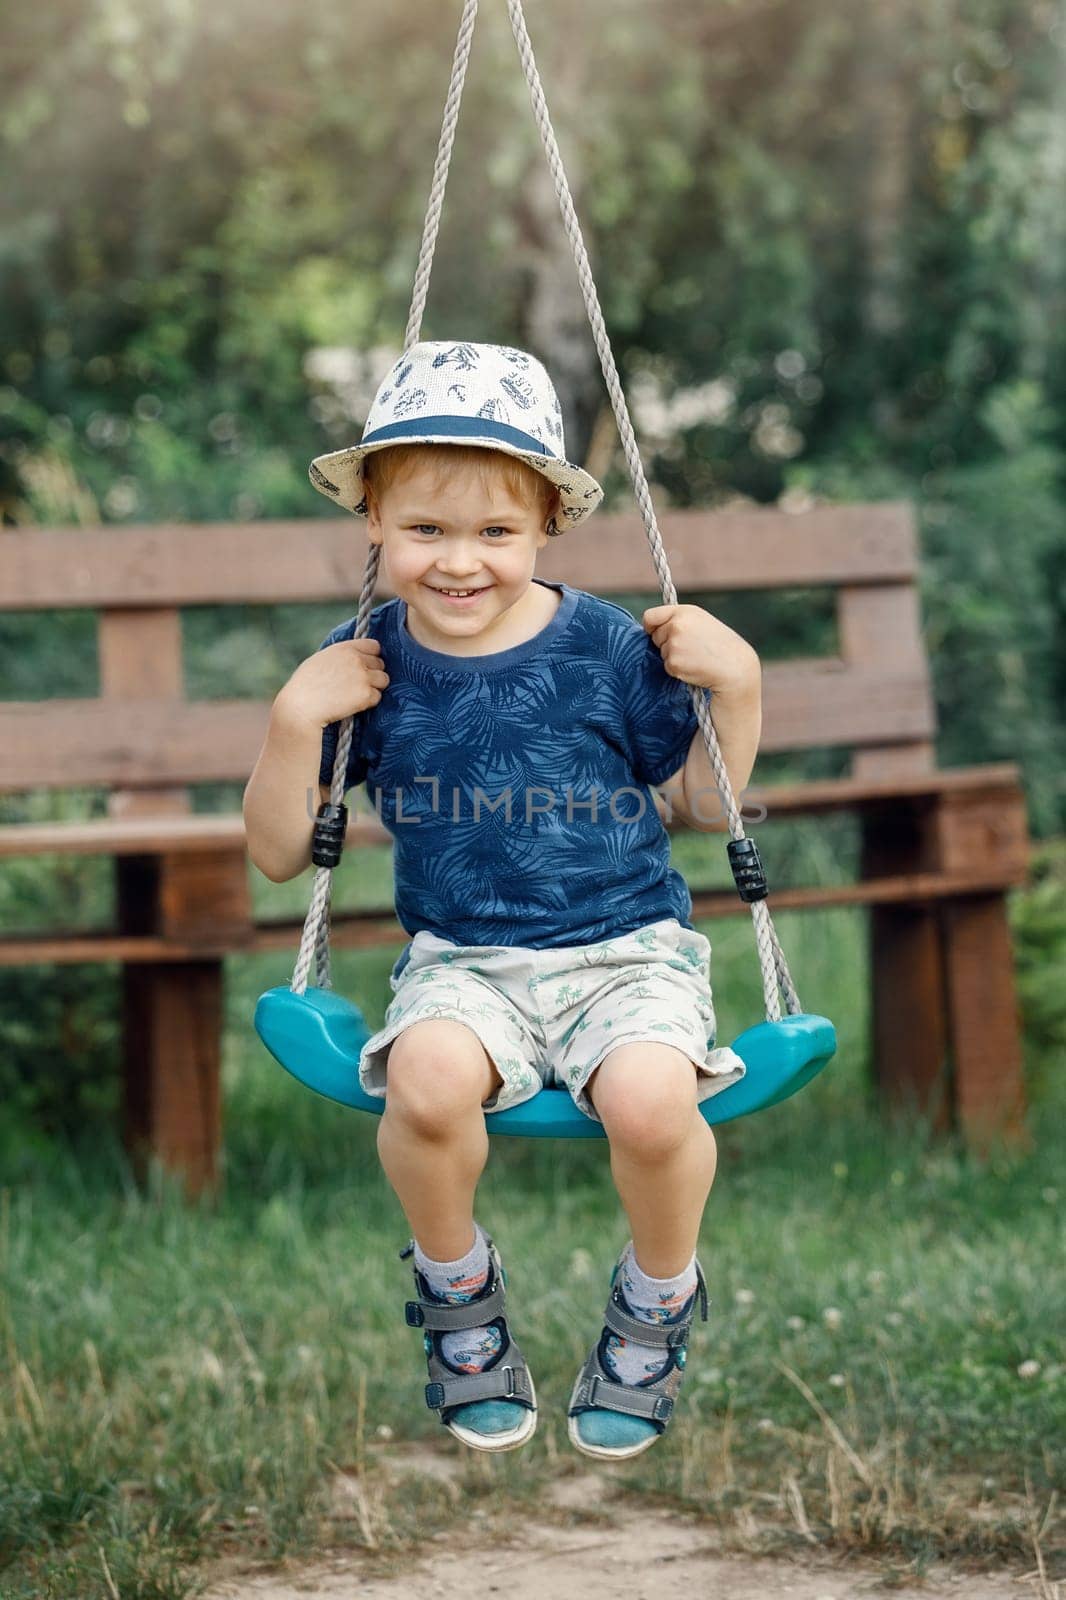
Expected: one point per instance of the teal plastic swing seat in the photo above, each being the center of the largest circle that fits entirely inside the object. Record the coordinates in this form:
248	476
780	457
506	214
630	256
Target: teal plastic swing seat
318	1037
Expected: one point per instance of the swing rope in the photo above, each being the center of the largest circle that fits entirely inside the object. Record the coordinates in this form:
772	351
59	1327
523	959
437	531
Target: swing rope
743	853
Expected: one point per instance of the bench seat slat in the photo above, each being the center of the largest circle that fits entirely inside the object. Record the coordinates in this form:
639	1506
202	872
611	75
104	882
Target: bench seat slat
124	836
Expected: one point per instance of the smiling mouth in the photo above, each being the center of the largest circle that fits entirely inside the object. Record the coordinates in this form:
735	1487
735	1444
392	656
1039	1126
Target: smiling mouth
459	592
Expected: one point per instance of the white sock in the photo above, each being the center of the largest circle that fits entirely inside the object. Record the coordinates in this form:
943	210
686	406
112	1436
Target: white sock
456	1283
658	1300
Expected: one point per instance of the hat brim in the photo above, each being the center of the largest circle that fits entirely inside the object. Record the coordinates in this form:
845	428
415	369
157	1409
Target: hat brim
338	475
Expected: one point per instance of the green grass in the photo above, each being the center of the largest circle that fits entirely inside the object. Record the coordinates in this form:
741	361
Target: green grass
882	1369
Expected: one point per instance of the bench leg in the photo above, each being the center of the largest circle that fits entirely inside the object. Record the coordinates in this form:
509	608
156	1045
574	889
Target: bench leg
985	1022
173	1024
909	1016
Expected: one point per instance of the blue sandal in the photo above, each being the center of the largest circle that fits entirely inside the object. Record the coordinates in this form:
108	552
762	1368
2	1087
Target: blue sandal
495	1409
617	1420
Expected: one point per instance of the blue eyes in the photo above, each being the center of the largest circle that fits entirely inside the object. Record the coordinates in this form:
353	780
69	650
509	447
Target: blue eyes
432	526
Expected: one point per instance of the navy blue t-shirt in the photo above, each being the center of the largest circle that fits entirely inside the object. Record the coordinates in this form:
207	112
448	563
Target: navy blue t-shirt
486	769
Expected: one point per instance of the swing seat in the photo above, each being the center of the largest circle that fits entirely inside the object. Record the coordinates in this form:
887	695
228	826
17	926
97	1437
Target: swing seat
318	1037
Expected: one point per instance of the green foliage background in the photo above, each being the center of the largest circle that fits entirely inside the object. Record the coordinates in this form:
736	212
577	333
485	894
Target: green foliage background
851	219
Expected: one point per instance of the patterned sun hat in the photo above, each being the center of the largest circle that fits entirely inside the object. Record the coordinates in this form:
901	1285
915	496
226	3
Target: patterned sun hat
441	392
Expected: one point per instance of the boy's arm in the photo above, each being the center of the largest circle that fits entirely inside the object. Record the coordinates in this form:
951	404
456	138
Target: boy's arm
736	713
282	795
701	650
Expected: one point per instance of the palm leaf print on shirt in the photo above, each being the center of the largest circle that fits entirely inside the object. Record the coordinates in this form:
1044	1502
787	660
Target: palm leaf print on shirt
593	713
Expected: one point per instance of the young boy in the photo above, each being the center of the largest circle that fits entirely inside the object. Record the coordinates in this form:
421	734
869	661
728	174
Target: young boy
510	731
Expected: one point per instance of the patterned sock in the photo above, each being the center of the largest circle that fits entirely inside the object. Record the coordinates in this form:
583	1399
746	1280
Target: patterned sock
457	1283
650	1300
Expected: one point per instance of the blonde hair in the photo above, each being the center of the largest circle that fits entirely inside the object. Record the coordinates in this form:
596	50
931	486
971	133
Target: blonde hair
383	468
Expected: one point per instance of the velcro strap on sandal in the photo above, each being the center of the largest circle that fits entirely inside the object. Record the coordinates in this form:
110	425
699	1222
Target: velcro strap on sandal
592	1390
448	1319
668	1335
497	1383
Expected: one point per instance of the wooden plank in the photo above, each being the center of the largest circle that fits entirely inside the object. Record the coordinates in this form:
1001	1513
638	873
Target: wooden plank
138	743
372	928
140	657
810	704
981	826
324	558
890	761
806	705
204	894
882	628
878	625
755	547
140	654
125	835
997	781
843	794
986	1033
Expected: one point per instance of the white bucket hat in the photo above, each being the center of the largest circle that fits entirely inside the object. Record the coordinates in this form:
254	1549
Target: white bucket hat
440	392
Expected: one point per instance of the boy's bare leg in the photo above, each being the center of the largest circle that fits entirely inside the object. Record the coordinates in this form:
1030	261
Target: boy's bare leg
663	1155
433	1148
432	1139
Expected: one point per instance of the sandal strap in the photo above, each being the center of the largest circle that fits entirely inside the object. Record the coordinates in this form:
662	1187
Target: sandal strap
508	1381
444	1318
440	1317
595	1392
667	1335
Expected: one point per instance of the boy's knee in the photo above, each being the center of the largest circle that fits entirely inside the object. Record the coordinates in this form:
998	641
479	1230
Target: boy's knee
645	1095
436	1071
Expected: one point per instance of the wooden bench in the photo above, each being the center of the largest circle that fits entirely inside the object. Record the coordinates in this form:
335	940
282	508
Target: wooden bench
939	848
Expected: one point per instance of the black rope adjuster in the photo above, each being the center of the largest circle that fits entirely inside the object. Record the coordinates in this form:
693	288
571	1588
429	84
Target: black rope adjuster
748	873
327	841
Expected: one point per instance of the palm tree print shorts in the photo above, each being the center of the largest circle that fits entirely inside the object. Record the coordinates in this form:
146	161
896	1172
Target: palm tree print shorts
548	1017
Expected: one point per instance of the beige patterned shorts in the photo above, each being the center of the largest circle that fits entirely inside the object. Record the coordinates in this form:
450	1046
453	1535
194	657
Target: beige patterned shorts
548	1017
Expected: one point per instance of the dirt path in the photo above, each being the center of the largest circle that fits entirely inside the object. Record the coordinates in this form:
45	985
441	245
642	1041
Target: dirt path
641	1556
640	1559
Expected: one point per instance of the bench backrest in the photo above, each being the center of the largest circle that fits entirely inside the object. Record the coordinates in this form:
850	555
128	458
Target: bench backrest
144	741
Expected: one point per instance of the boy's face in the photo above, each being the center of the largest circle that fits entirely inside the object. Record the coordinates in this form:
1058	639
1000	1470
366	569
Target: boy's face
457	533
